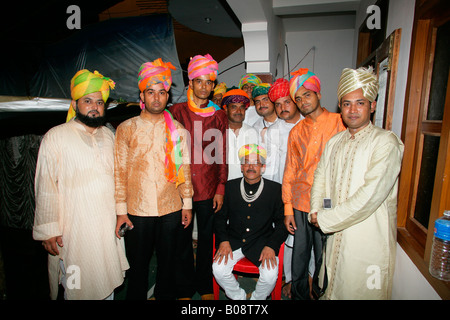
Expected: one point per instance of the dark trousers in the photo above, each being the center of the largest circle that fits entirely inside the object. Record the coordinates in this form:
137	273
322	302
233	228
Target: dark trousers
306	237
149	234
196	277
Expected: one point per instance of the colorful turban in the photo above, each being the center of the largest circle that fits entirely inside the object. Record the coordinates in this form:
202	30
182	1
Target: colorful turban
249	149
361	78
236	96
249	78
279	89
85	82
220	88
260	89
201	65
303	77
155	72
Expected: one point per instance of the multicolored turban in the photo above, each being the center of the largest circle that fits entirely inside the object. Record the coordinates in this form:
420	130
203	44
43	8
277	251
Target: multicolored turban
155	72
220	88
261	89
303	77
236	96
249	78
201	65
279	89
85	82
249	149
361	78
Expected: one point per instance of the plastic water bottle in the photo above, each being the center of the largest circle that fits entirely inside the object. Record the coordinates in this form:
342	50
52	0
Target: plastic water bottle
440	252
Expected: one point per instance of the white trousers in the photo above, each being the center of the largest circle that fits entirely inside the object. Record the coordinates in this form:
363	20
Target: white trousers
226	280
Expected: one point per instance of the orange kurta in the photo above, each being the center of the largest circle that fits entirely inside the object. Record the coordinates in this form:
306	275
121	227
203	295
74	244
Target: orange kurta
305	145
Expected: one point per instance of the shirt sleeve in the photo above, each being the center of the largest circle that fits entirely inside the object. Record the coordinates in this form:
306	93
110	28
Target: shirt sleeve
379	179
46	220
121	148
186	189
223	167
291	167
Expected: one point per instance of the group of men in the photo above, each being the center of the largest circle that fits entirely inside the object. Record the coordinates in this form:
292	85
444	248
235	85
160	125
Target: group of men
262	165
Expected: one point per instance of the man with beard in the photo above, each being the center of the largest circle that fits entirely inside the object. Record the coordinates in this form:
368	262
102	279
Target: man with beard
153	184
207	125
235	103
305	145
75	216
249	225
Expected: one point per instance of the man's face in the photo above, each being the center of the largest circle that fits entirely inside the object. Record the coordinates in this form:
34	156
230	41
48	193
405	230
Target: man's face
155	98
264	107
235	112
90	110
217	99
248	88
356	110
252	168
286	108
202	86
307	101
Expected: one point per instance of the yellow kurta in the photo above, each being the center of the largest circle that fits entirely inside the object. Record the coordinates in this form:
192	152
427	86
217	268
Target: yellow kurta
74	187
360	176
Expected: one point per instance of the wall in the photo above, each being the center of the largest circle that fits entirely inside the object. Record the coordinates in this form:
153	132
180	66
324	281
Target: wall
332	52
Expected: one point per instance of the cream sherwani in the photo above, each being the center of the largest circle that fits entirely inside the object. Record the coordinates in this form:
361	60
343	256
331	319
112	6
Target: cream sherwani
360	176
74	187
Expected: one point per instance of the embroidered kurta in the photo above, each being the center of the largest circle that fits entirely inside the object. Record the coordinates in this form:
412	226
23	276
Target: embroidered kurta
141	186
360	176
208	147
74	187
246	135
305	145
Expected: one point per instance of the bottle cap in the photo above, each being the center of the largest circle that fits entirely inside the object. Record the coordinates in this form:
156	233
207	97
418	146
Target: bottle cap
442	228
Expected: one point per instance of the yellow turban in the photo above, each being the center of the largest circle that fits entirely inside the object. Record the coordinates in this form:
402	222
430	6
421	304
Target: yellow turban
85	82
220	88
361	78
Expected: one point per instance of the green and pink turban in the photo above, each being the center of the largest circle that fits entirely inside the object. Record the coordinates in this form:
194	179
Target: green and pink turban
201	65
303	77
260	89
249	78
85	82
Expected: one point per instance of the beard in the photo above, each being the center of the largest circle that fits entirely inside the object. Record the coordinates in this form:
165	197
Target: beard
93	122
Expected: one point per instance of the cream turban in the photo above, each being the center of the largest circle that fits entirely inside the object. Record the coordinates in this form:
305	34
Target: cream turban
361	78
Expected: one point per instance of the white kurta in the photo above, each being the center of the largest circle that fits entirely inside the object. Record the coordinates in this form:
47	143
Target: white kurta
74	187
277	136
246	135
251	116
360	176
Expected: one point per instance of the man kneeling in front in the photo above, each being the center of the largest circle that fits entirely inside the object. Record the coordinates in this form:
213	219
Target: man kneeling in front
249	225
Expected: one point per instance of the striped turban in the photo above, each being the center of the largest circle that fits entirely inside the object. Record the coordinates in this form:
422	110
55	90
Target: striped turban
220	88
249	78
279	89
201	65
155	72
260	89
85	82
303	77
361	78
236	96
249	149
